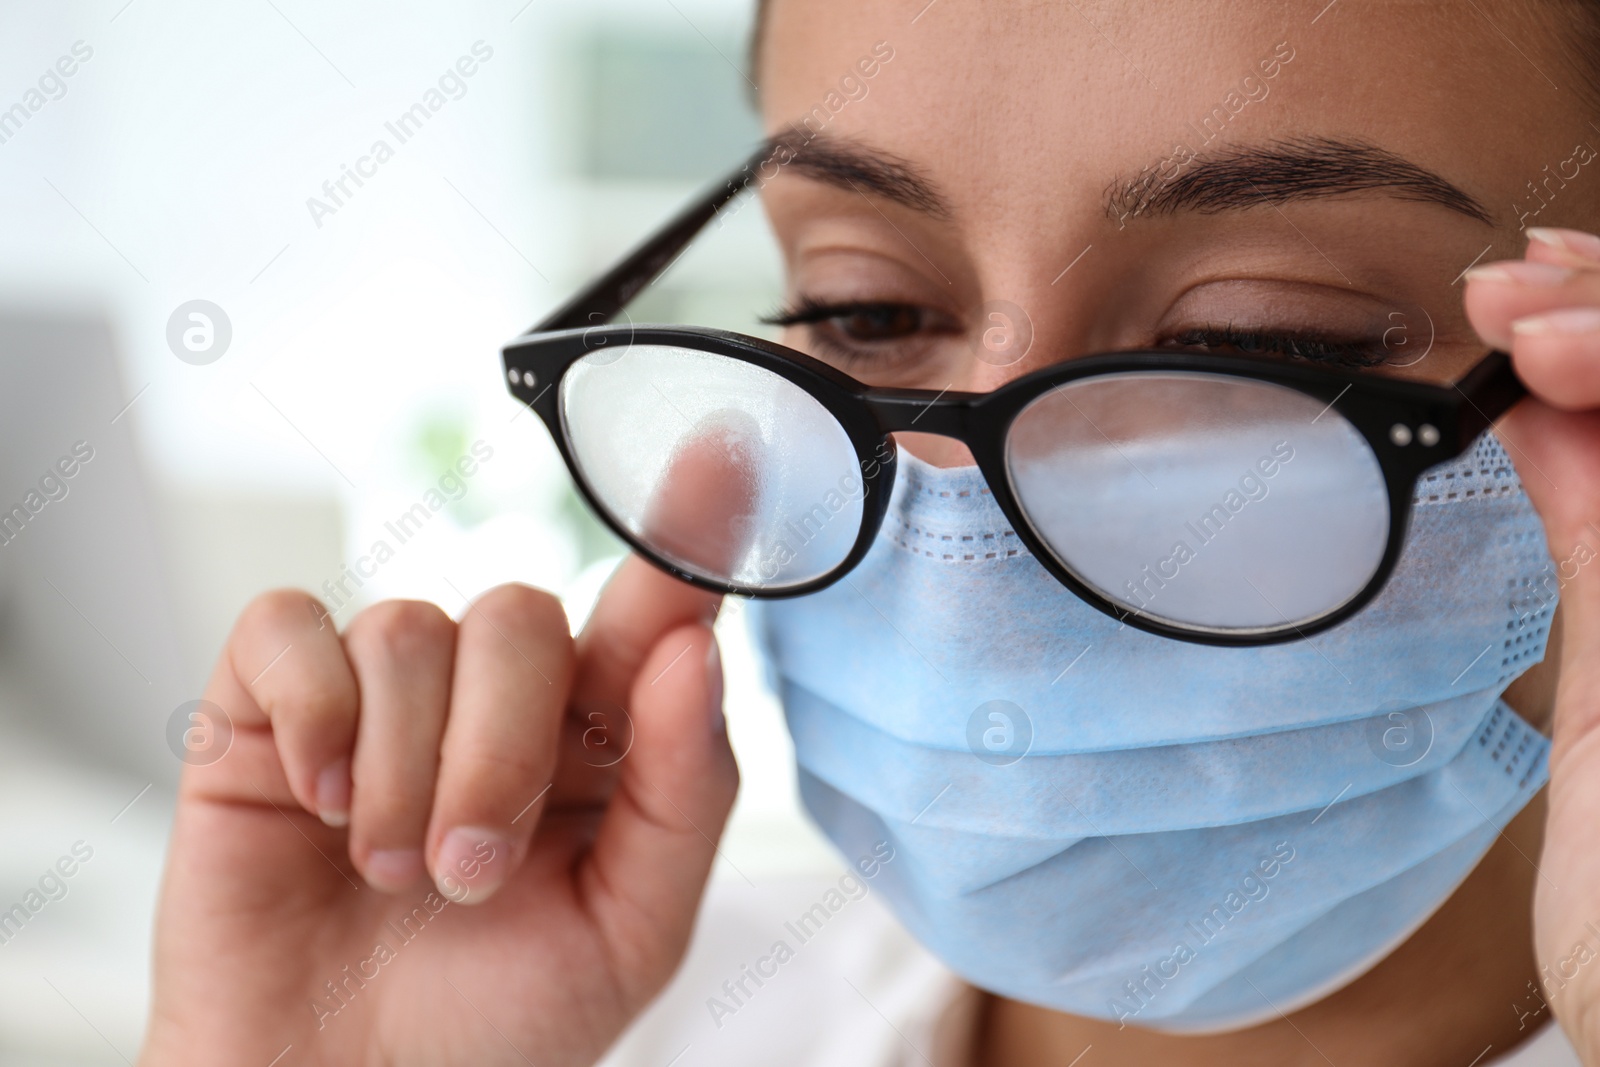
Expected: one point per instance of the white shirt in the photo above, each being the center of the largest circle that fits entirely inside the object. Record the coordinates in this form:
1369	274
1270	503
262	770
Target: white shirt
858	992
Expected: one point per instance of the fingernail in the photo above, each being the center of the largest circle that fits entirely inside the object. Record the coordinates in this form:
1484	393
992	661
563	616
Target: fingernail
1575	241
393	869
1567	321
472	864
333	793
719	721
1515	272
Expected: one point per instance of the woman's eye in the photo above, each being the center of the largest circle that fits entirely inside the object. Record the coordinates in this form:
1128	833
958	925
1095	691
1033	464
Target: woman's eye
879	322
871	336
865	323
1301	345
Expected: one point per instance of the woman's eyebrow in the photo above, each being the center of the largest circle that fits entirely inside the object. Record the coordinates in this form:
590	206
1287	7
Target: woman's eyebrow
849	165
1277	172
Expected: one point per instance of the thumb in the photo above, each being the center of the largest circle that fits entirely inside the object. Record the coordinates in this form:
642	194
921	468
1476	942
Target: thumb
638	606
700	518
656	843
1557	454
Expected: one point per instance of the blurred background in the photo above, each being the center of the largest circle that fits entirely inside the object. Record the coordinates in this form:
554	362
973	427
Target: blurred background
159	153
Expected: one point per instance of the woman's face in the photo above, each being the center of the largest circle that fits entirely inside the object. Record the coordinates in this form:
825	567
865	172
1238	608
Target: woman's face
985	188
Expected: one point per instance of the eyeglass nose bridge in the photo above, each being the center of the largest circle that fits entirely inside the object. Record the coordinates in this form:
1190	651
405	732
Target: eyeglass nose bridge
944	413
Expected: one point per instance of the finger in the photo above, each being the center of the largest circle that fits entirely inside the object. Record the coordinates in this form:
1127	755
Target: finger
655	846
284	667
701	516
1557	453
1564	248
402	652
1557	354
1548	317
638	605
702	513
1499	294
513	671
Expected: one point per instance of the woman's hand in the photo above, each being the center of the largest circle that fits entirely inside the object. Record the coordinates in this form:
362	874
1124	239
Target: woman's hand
1546	312
443	842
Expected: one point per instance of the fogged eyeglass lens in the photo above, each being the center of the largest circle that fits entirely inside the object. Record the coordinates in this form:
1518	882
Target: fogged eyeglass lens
722	468
1206	501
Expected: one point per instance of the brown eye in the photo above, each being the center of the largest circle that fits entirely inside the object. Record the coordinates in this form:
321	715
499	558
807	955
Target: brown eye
879	322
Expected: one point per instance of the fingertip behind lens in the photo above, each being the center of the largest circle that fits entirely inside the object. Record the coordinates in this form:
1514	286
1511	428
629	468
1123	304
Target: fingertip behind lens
719	467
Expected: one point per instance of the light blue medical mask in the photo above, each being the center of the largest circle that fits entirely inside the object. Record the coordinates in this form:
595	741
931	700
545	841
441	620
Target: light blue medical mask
1118	825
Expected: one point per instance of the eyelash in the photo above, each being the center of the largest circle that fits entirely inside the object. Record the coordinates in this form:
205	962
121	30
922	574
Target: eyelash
806	311
1292	344
1301	345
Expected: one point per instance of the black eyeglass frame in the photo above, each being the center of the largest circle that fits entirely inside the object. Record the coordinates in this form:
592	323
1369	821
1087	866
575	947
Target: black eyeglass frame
1410	426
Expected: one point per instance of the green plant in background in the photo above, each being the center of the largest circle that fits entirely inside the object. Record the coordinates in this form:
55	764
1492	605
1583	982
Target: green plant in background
442	438
438	442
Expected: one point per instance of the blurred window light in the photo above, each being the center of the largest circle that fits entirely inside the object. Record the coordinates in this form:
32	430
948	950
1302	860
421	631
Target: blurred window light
661	106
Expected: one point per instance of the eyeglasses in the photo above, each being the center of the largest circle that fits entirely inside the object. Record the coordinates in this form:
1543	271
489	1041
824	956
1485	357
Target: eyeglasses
1222	499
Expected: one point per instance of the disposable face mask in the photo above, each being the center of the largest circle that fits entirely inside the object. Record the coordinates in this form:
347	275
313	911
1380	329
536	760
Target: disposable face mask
1179	836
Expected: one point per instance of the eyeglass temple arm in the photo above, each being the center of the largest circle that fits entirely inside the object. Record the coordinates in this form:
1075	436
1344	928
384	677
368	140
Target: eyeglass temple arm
600	301
1487	391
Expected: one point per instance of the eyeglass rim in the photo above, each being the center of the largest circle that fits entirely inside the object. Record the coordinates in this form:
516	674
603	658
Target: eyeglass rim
870	416
1461	411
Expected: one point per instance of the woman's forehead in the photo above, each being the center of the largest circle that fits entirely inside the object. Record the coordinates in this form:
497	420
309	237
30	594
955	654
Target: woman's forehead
998	98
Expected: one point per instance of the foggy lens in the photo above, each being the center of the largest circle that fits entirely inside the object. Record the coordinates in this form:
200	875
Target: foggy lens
726	470
1205	501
